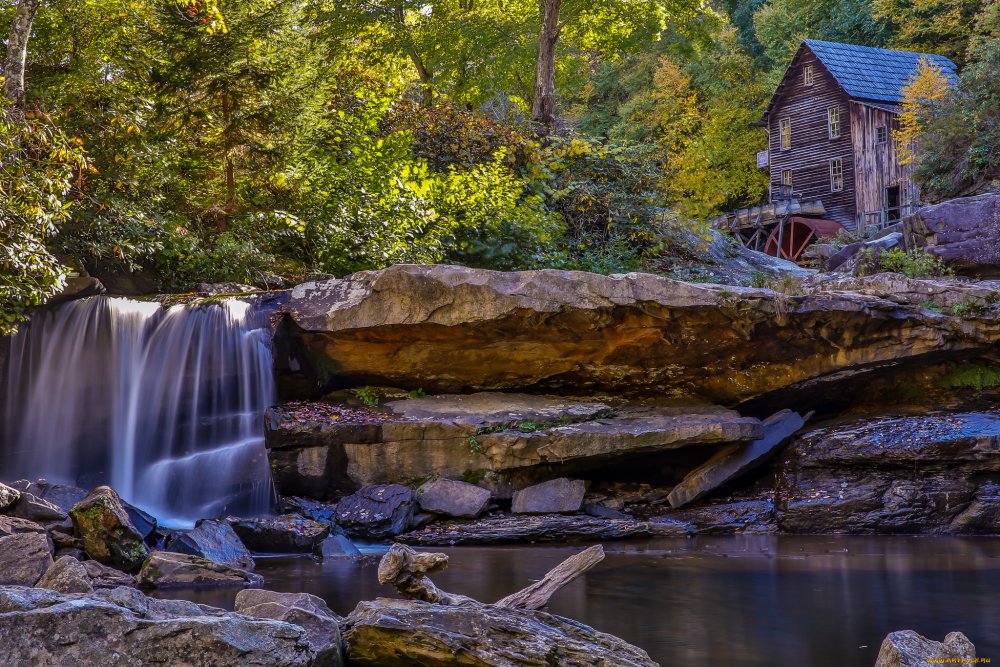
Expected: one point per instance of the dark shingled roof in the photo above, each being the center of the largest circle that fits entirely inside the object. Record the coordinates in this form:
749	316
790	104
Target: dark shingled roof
874	74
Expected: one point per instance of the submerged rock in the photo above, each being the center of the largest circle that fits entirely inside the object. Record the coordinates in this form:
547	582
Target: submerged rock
393	632
108	535
906	648
24	558
122	626
507	529
214	540
290	533
453	498
552	497
338	547
164	569
379	511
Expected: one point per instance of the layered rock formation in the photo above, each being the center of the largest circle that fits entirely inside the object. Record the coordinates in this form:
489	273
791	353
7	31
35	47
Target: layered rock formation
449	328
501	441
937	473
965	233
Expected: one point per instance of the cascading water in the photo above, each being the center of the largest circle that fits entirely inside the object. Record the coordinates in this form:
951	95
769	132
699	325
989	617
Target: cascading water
163	404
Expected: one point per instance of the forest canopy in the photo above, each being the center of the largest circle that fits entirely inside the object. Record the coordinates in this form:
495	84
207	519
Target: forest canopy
261	141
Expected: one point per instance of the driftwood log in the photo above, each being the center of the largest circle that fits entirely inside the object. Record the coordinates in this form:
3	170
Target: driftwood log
407	570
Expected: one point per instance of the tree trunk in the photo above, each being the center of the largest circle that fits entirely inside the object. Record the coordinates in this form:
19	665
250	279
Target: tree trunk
426	91
17	50
230	170
543	100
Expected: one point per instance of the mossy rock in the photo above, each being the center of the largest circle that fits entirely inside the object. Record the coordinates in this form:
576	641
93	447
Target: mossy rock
108	535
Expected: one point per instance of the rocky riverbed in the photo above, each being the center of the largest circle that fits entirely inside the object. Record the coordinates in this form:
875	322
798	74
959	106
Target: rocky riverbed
440	405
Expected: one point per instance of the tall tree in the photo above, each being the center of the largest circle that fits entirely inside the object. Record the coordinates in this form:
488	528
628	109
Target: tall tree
17	50
543	107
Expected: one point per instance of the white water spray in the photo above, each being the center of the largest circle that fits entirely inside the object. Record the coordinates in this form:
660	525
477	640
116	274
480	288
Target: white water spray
163	404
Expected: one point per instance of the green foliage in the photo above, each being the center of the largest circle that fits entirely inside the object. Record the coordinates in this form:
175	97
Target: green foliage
970	376
38	165
916	263
960	141
527	427
367	395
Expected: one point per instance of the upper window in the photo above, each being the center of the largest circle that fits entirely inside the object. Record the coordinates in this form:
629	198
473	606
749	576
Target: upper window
807	75
881	135
833	121
836	175
786	177
786	133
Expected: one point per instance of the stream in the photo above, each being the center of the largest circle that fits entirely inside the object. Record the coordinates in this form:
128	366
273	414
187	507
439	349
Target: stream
745	601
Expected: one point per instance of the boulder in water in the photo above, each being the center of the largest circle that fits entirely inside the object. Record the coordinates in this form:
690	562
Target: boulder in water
43	627
290	533
67	575
338	547
24	558
307	611
108	535
378	511
164	569
216	541
453	498
393	632
554	496
906	648
144	522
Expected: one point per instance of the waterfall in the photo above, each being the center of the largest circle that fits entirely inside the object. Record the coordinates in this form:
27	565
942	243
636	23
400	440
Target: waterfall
164	404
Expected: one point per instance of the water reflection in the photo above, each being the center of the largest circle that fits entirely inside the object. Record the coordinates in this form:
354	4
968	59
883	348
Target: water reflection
741	601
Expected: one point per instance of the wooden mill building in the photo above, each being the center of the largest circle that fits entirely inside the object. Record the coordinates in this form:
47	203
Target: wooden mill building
831	151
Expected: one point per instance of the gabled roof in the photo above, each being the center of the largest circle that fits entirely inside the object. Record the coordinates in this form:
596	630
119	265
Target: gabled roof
866	73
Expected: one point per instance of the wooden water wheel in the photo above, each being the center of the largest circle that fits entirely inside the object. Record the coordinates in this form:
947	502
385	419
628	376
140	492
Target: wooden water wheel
791	236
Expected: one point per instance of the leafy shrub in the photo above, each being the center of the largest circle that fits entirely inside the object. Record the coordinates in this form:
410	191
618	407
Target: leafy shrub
913	264
448	137
38	165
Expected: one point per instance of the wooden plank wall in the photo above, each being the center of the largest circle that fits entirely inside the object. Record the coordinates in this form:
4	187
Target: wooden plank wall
812	149
877	165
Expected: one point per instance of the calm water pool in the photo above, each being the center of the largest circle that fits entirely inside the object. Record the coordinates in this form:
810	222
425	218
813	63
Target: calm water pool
753	601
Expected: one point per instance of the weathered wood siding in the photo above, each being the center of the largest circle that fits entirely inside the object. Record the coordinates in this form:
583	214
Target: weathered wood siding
812	149
877	165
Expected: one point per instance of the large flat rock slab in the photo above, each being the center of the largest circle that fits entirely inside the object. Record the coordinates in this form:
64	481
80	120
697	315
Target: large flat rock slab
456	329
500	441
